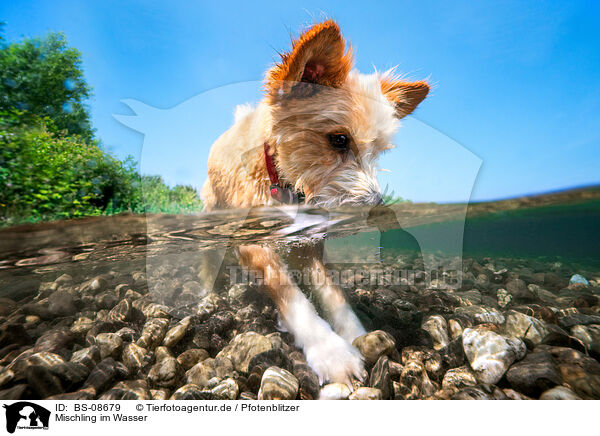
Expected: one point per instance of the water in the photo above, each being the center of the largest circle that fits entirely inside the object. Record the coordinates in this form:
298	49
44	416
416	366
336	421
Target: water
397	265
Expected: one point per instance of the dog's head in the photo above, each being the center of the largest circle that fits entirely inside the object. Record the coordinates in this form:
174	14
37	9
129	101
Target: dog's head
330	123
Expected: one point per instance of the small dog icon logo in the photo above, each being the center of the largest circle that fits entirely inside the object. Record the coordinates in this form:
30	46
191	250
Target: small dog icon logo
26	415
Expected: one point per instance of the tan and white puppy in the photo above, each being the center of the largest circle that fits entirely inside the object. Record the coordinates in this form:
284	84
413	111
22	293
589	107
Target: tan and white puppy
317	133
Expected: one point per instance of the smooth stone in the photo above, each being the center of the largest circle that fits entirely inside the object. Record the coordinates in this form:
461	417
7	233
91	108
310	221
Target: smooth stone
154	310
574	319
103	375
193	392
153	333
121	312
484	392
134	357
374	344
414	382
273	357
12	333
243	348
159	394
55	341
514	395
106	301
490	354
437	327
580	372
202	373
89	356
534	374
176	333
32	320
72	375
334	391
481	315
61	303
381	379
110	344
542	294
227	389
522	326
97	284
161	353
307	378
278	384
559	393
26	359
127	334
519	291
589	335
41	380
248	396
166	373
128	390
365	393
453	355
191	357
81	326
459	378
578	278
454	328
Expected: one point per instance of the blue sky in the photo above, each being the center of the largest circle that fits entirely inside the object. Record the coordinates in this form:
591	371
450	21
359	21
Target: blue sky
516	84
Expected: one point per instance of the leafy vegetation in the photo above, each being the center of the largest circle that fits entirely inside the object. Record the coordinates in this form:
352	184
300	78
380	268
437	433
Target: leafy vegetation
43	76
51	166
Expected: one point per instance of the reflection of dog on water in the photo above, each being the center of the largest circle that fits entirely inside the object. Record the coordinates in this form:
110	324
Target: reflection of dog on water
27	414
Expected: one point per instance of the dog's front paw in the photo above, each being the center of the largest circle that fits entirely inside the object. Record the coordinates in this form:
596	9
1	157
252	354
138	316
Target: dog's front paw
335	360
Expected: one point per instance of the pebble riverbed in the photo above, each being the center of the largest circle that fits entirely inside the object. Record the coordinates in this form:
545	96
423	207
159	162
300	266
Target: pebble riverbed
516	329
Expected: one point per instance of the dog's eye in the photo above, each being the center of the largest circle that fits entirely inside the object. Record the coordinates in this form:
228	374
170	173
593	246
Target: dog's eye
339	142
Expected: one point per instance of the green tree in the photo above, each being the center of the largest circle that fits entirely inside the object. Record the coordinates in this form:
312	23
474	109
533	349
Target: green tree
44	77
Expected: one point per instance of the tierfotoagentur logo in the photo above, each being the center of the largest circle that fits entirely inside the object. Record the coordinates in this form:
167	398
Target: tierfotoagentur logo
25	415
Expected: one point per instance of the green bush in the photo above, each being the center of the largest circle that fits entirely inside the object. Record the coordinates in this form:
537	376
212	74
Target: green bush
46	174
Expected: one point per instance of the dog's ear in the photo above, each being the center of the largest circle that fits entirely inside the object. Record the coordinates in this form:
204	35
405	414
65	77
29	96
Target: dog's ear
318	57
406	96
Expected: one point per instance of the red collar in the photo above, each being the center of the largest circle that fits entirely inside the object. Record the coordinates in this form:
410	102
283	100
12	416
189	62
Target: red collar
279	193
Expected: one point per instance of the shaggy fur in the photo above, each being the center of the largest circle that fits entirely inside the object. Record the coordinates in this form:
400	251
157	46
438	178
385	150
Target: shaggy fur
311	94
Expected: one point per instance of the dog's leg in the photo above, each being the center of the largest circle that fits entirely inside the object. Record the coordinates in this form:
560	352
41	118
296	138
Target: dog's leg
330	356
337	310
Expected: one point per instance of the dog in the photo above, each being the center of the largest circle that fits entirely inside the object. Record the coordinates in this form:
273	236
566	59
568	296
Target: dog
316	135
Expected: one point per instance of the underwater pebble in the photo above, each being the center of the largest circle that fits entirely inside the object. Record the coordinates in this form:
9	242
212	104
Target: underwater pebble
175	334
110	344
578	278
490	354
334	391
243	348
559	393
374	344
278	384
437	327
365	394
521	326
